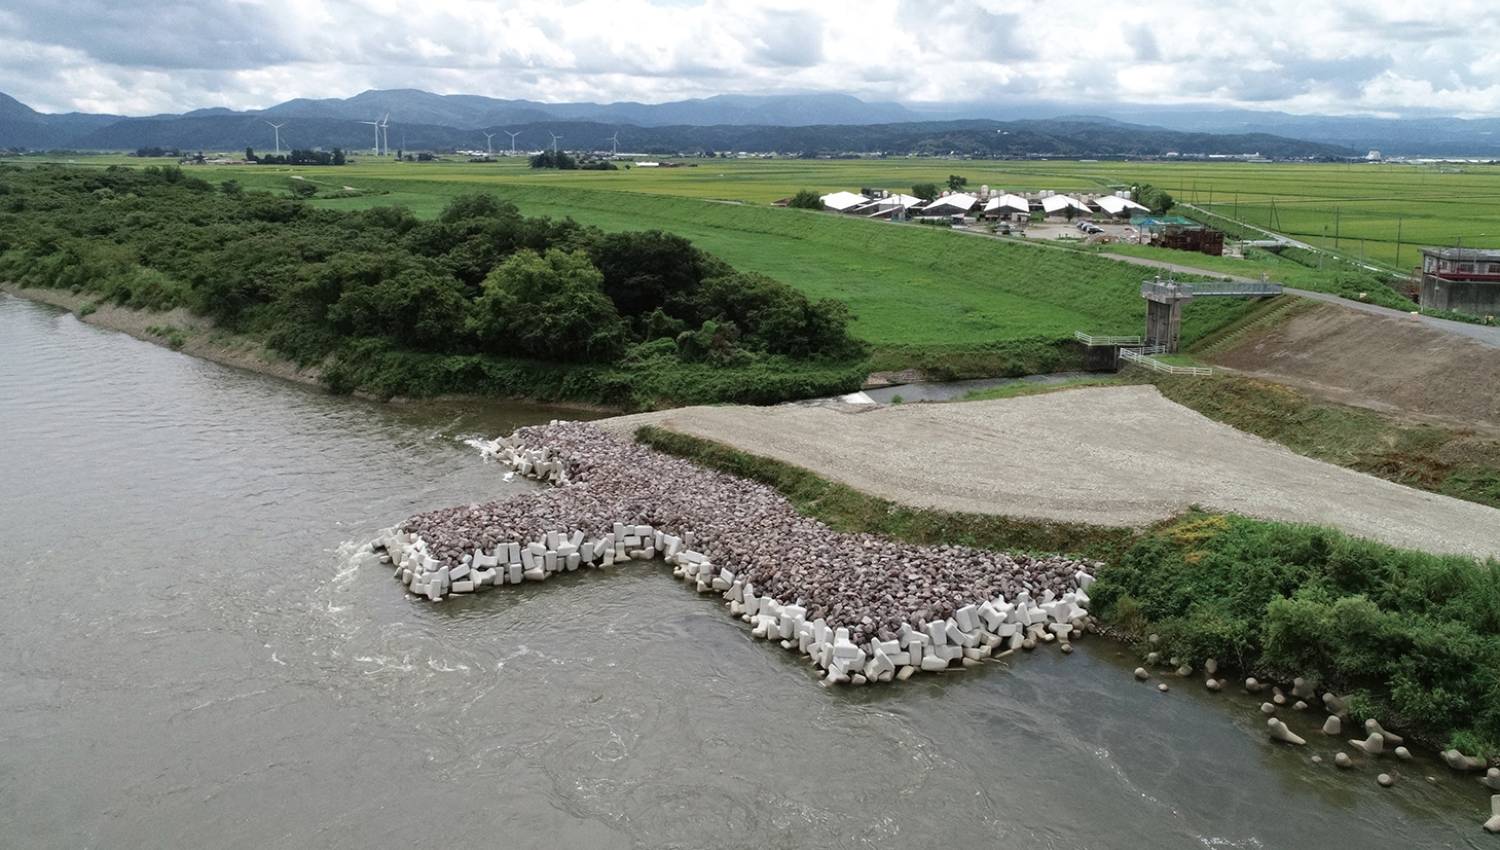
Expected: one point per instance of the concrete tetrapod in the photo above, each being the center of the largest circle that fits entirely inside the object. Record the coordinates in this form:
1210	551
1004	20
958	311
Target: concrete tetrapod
1493	823
1461	762
1372	725
1333	726
1334	704
1373	745
1280	732
785	574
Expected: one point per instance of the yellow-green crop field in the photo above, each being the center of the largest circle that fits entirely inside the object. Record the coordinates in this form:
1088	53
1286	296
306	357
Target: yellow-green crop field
1357	209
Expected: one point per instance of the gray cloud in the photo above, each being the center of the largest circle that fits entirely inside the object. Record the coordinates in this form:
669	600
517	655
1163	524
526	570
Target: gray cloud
791	38
170	35
1342	56
1143	42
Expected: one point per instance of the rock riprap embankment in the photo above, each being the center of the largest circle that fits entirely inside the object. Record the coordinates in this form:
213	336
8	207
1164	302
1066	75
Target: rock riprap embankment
863	608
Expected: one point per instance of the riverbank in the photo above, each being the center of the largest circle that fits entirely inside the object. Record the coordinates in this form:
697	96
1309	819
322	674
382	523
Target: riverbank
279	677
1401	635
377	372
193	335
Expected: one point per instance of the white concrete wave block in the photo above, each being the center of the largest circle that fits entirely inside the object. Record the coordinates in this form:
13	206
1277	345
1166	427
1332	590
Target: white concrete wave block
966	618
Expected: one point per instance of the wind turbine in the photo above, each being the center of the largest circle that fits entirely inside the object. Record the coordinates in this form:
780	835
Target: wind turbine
489	149
512	140
384	124
376	125
277	129
615	144
555	137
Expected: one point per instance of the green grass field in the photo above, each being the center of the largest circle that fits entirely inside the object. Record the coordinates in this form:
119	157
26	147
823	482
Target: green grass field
924	288
909	287
1357	209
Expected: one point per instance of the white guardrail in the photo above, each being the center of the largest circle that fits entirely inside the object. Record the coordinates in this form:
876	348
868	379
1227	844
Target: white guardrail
1144	359
1087	339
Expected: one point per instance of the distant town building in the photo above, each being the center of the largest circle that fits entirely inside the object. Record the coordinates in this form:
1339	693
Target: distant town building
1463	279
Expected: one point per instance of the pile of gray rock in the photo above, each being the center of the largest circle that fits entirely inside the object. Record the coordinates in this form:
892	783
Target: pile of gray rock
862	608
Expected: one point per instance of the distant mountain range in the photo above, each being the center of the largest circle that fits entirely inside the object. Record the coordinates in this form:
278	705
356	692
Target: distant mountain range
1432	135
819	123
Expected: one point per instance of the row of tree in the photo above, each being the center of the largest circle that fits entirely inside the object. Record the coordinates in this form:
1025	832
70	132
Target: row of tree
298	156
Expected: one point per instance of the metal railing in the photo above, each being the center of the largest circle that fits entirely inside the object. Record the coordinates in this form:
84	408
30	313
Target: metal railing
1230	289
1090	340
1155	365
1169	291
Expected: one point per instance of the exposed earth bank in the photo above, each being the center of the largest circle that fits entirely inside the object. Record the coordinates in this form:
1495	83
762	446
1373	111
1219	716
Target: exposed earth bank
1395	366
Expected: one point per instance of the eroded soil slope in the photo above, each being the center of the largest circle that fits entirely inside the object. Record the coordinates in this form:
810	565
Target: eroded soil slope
1387	364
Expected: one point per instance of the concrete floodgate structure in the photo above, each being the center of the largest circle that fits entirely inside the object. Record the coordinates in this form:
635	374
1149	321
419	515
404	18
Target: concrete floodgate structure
862	608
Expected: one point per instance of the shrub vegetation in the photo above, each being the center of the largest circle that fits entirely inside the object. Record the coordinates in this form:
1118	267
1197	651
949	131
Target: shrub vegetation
1413	638
482	299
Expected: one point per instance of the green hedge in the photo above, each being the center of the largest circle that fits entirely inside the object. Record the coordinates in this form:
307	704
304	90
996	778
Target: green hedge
375	366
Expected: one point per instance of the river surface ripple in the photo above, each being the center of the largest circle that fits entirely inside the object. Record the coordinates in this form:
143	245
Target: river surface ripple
189	658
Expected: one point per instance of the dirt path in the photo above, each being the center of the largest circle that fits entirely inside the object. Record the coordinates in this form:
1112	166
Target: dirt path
1109	456
1393	365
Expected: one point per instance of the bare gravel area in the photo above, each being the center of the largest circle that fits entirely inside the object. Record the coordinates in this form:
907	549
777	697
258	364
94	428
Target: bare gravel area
1109	456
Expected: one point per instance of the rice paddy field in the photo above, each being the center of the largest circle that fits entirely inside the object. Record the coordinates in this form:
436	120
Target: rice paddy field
920	288
1380	212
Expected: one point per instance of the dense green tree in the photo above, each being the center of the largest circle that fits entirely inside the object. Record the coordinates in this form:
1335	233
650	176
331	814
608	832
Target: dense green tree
957	182
806	199
653	270
925	191
550	307
1157	200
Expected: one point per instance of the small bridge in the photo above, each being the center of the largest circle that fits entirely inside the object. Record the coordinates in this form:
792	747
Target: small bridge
1164	300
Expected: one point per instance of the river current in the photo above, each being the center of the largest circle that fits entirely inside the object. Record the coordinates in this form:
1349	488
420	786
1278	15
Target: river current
190	657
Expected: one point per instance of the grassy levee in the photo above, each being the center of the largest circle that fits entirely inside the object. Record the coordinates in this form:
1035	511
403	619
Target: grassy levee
1411	638
925	297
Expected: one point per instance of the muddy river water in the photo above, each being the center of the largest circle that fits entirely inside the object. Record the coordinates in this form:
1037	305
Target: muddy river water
189	658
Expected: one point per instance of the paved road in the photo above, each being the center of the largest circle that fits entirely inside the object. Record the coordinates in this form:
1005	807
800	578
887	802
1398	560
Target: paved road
1487	334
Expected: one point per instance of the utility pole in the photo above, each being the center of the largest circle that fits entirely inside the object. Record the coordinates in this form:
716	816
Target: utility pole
1335	228
1236	206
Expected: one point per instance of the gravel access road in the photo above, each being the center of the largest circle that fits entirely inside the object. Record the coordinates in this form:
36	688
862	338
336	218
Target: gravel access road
1109	456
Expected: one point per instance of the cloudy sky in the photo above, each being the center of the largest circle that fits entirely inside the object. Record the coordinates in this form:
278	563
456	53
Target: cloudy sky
1371	56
